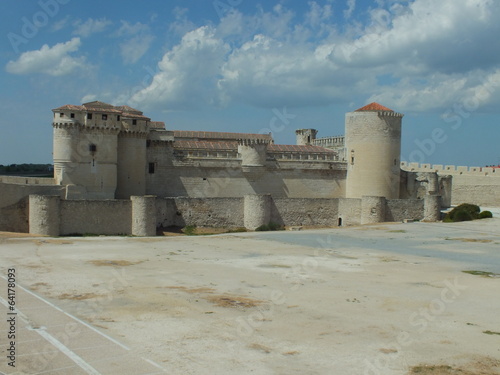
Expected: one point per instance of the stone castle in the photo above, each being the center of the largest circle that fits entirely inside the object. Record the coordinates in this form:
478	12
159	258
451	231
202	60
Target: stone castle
118	172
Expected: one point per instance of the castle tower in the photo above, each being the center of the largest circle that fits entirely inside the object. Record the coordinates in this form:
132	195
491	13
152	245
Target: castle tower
373	149
305	136
253	152
132	160
85	149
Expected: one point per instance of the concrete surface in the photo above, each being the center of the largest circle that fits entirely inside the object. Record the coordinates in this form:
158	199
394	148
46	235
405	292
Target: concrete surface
378	299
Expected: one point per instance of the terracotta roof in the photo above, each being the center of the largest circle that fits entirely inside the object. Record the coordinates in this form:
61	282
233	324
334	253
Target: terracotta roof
202	145
133	115
70	107
101	109
374	107
157	125
297	148
98	104
126	108
219	135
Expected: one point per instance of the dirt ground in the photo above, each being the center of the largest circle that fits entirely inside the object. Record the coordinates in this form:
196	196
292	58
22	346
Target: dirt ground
248	303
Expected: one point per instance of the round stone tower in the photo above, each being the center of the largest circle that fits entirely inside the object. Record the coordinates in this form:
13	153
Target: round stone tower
305	136
131	172
253	152
85	150
373	150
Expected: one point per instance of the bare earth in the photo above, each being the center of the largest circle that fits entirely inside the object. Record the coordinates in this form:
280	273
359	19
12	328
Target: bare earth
352	302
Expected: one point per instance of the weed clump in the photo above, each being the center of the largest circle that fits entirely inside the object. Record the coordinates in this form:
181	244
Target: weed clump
466	212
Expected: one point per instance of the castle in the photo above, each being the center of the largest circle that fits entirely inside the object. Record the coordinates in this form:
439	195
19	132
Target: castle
118	172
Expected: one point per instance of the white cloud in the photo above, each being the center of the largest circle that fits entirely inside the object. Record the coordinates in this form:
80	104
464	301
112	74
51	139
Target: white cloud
91	26
187	74
54	61
417	55
128	29
351	5
133	49
138	43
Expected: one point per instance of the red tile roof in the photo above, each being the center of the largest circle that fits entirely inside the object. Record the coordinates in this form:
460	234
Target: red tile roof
219	135
70	107
374	107
157	125
297	148
203	145
126	108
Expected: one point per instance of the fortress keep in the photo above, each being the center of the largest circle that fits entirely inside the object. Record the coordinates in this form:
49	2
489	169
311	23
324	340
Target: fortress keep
118	172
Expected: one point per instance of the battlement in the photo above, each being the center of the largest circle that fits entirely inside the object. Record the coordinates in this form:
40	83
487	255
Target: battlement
450	169
327	142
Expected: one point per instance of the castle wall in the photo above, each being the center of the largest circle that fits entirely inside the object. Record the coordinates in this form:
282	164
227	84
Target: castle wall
107	217
211	212
475	185
14	193
401	209
177	175
305	211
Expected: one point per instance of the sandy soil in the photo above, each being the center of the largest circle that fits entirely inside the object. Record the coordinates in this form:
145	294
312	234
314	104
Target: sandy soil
244	303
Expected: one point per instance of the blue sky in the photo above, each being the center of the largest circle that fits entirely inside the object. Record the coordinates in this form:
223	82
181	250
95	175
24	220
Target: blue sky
250	66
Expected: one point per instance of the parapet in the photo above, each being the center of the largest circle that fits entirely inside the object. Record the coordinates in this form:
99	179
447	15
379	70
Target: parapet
450	169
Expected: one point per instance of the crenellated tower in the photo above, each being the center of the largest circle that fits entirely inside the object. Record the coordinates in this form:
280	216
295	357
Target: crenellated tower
373	150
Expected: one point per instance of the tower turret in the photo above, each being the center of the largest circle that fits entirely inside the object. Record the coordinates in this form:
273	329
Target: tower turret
305	137
85	149
373	149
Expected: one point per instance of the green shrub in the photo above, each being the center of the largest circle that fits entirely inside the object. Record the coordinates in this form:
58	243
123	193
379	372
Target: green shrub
189	230
464	212
485	215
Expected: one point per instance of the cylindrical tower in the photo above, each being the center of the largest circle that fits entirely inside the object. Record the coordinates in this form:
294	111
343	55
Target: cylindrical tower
305	136
373	149
253	152
85	154
257	210
131	172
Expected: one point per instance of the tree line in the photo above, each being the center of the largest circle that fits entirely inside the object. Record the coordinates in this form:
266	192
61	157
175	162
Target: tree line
25	169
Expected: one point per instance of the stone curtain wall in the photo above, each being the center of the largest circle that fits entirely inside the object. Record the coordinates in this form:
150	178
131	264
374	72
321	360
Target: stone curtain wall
14	193
477	185
141	216
108	217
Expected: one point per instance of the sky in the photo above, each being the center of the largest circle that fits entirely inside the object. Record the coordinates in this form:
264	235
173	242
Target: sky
258	67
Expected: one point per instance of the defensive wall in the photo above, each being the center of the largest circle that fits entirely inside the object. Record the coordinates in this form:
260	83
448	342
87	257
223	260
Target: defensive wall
221	174
142	215
14	193
477	185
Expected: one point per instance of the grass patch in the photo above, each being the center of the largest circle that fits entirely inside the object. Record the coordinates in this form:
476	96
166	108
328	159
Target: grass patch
482	273
397	231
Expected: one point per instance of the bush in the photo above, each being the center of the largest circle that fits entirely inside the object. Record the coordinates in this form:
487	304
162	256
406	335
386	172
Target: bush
485	215
464	212
189	230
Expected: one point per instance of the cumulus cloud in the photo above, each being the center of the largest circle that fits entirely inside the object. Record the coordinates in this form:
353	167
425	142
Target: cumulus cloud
138	41
430	52
91	26
54	61
187	74
133	49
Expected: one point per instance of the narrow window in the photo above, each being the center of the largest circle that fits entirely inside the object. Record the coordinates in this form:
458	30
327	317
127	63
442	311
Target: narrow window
92	148
104	117
117	117
89	116
134	122
340	221
72	115
151	168
61	114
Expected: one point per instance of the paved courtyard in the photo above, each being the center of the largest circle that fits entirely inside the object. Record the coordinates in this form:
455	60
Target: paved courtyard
384	299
